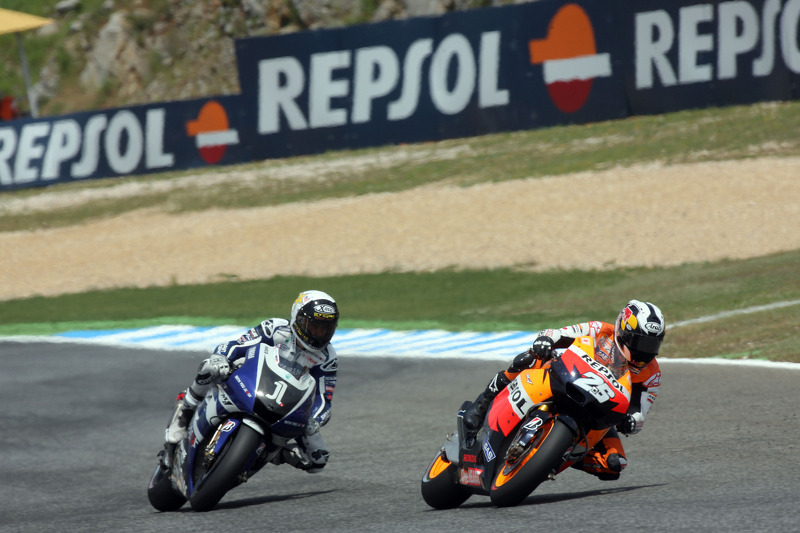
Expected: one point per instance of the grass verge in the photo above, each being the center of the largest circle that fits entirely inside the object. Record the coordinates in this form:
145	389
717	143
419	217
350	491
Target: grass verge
493	300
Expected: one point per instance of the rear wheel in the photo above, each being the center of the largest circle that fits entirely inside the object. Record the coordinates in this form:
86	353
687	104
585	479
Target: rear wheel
223	474
524	470
440	489
162	495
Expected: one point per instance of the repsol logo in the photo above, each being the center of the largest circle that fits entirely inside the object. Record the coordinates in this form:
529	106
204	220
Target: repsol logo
41	148
365	76
711	41
602	369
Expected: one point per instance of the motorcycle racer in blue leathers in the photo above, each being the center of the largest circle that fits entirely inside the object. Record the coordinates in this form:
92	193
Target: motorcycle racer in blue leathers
313	322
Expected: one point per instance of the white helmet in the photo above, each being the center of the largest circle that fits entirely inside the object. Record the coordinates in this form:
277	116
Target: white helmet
315	316
640	329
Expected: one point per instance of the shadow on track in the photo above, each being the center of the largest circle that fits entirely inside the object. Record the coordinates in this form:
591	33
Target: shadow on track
247	502
557	498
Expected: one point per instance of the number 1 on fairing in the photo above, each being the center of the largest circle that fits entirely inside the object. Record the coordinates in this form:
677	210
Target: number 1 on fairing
277	395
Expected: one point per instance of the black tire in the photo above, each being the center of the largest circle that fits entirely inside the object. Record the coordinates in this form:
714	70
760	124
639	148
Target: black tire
540	463
162	495
223	474
439	487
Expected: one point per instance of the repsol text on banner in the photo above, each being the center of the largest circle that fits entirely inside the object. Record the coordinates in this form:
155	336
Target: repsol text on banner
364	74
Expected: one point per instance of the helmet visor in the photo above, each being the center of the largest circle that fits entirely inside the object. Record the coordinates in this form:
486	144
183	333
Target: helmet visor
643	348
319	330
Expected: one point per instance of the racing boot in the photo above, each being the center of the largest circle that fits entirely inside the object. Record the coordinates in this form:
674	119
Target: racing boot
309	454
293	455
475	413
179	422
605	468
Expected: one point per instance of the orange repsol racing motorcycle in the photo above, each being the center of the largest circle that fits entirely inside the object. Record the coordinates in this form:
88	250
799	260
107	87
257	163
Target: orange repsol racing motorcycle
544	421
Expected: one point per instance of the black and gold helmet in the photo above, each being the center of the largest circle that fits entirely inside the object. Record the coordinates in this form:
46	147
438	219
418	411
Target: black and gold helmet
315	316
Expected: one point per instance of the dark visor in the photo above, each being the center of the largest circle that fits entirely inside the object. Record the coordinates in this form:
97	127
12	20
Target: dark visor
642	343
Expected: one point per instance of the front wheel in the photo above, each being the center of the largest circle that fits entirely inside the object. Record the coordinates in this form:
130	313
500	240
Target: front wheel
518	477
161	494
223	474
440	489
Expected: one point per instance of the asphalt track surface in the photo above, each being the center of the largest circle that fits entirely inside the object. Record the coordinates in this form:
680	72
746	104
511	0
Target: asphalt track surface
83	424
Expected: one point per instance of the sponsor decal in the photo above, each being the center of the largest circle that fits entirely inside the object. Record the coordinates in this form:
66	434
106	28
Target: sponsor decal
569	58
325	309
534	424
469	458
520	402
471	476
211	132
224	398
229	425
653	327
243	386
654	381
488	452
601	369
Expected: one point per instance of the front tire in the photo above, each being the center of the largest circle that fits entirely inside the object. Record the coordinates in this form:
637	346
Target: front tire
223	474
439	487
162	495
514	482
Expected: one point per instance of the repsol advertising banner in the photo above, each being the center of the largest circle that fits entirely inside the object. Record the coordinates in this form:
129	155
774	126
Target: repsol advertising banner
121	142
516	67
469	73
678	54
462	74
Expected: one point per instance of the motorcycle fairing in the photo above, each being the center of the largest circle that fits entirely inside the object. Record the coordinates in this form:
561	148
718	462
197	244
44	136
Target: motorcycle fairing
512	404
591	386
260	386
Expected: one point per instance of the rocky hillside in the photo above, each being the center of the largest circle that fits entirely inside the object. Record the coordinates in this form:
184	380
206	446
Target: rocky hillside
108	53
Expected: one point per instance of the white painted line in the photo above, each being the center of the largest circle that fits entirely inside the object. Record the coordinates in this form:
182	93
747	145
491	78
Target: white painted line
726	314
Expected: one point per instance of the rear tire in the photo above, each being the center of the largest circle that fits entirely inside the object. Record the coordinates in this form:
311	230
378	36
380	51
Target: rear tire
162	495
532	467
224	472
439	487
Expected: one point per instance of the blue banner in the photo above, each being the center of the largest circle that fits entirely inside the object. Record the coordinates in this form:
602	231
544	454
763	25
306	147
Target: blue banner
463	74
121	142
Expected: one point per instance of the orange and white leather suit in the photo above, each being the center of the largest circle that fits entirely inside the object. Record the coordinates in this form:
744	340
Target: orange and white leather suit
646	379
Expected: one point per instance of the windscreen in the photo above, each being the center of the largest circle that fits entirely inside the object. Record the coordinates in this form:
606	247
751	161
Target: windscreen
292	361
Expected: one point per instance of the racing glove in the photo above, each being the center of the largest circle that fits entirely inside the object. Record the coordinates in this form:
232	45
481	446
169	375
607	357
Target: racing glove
632	424
215	368
542	347
312	426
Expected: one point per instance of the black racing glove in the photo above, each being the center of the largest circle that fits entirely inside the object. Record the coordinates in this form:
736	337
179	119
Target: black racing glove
628	427
542	347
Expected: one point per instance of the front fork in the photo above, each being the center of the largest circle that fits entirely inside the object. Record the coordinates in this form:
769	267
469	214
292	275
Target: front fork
530	435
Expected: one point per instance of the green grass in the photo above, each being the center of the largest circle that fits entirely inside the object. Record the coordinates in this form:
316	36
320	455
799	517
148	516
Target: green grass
494	300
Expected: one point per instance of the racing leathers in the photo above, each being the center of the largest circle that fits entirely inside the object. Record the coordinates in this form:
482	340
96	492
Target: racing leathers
308	453
607	459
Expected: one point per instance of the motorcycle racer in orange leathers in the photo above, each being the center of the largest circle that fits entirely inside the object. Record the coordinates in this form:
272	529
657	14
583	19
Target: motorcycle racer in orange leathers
638	333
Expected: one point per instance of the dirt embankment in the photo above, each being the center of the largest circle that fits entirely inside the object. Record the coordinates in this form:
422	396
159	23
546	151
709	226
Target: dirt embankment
646	215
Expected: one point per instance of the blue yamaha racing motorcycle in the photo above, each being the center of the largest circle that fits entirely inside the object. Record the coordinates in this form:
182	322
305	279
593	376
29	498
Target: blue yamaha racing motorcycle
239	427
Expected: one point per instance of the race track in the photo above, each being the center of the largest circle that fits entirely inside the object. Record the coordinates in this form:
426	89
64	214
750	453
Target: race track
83	425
